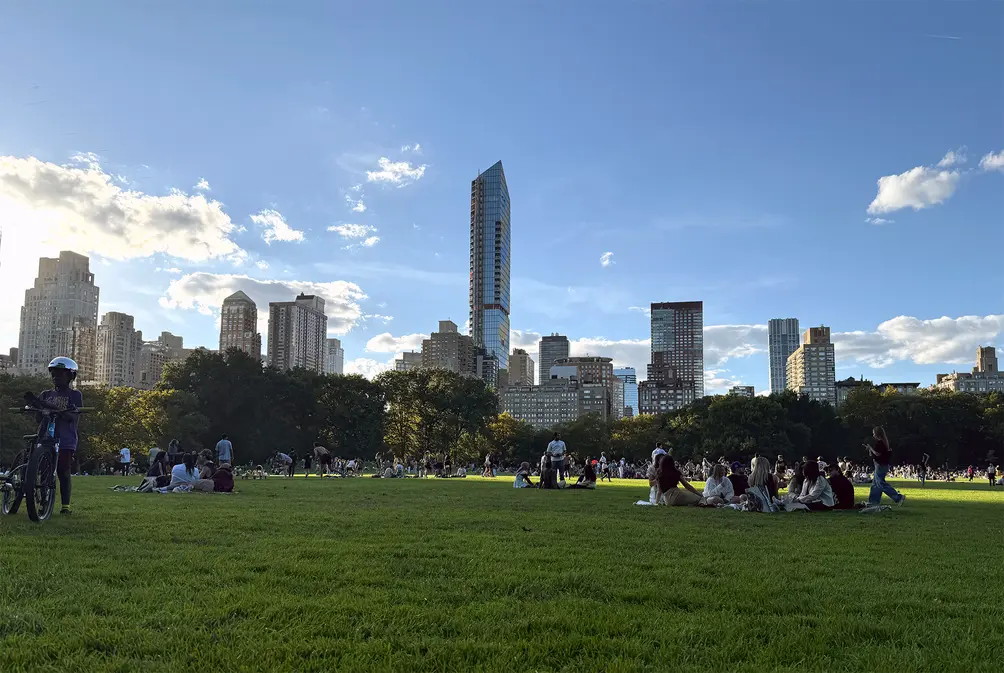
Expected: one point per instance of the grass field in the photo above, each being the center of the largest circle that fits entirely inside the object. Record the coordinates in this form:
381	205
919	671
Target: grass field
470	575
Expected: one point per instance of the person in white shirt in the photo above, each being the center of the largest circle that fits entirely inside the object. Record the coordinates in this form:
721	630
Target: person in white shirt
185	473
718	489
556	449
816	491
125	459
620	468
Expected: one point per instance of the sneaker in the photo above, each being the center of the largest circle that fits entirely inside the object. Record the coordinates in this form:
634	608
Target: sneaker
65	509
902	499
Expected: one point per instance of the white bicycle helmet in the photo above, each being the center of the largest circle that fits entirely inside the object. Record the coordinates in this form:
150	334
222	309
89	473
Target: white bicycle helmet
64	363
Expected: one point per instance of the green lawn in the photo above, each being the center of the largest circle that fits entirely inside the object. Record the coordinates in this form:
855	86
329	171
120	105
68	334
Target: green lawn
470	575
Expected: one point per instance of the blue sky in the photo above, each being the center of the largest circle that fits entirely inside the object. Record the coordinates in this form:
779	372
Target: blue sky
727	152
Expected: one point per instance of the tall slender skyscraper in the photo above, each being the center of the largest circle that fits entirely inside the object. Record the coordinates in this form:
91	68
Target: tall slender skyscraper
489	284
630	378
549	350
782	340
64	295
117	350
678	344
334	357
297	333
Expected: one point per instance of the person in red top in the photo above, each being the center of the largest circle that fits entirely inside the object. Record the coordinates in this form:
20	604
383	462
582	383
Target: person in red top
882	455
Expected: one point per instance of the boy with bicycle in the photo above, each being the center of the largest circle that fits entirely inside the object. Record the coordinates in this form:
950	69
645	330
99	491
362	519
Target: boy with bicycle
63	398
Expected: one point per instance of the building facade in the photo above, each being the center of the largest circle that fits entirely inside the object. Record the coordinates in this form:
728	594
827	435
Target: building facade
489	281
847	386
812	367
449	349
297	333
334	357
153	355
629	377
521	369
543	406
117	350
783	339
743	391
551	349
239	325
62	296
678	334
985	377
408	361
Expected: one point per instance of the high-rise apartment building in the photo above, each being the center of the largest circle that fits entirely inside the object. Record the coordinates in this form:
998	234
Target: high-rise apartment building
408	361
239	325
549	350
520	368
742	391
63	295
83	345
489	283
676	372
449	349
334	357
783	339
297	333
629	377
592	370
117	350
153	355
812	367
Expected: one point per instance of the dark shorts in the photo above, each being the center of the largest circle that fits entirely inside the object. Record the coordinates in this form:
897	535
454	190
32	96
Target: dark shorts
325	460
64	461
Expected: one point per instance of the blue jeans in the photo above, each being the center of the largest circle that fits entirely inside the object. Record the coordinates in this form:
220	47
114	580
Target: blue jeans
880	486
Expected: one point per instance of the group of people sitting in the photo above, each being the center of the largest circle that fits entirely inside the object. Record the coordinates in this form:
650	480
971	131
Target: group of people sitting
551	477
808	487
195	472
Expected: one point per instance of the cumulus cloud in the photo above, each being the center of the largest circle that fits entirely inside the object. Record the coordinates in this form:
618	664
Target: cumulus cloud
917	188
202	185
205	292
878	220
606	259
172	269
399	173
924	342
261	264
719	381
725	342
351	231
367	367
644	310
355	205
993	162
388	343
275	228
954	158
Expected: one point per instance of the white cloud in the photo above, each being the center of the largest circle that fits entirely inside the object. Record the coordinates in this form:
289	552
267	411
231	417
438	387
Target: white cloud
367	367
718	382
356	188
954	158
376	316
924	342
202	186
275	228
46	207
606	259
172	269
205	292
644	310
351	231
416	148
370	242
725	342
388	343
400	173
993	162
917	188
261	264
878	220
356	205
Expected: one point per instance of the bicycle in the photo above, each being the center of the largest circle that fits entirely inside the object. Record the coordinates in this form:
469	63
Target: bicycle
33	474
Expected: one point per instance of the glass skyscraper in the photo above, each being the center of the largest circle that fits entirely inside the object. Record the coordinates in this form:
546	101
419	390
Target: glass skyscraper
630	381
783	339
489	285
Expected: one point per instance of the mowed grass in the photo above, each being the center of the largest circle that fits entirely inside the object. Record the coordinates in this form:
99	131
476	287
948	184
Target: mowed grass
470	575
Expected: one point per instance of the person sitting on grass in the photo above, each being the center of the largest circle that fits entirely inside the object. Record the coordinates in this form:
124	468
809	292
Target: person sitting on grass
718	488
207	470
816	492
159	470
523	476
739	481
186	474
843	489
653	475
461	472
223	479
547	476
669	481
795	483
588	477
761	476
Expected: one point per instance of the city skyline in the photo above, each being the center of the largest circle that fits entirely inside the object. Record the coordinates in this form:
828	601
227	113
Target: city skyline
632	182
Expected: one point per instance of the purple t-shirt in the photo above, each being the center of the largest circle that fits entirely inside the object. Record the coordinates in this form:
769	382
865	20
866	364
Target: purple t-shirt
66	426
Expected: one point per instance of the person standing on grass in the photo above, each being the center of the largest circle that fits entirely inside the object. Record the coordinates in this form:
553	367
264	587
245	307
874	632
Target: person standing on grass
992	474
970	472
922	469
323	458
224	451
292	464
882	455
556	450
125	459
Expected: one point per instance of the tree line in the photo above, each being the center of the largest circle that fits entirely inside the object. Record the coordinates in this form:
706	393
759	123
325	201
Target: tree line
408	413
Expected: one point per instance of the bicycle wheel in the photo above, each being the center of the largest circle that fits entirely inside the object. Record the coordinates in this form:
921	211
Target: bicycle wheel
40	483
12	493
